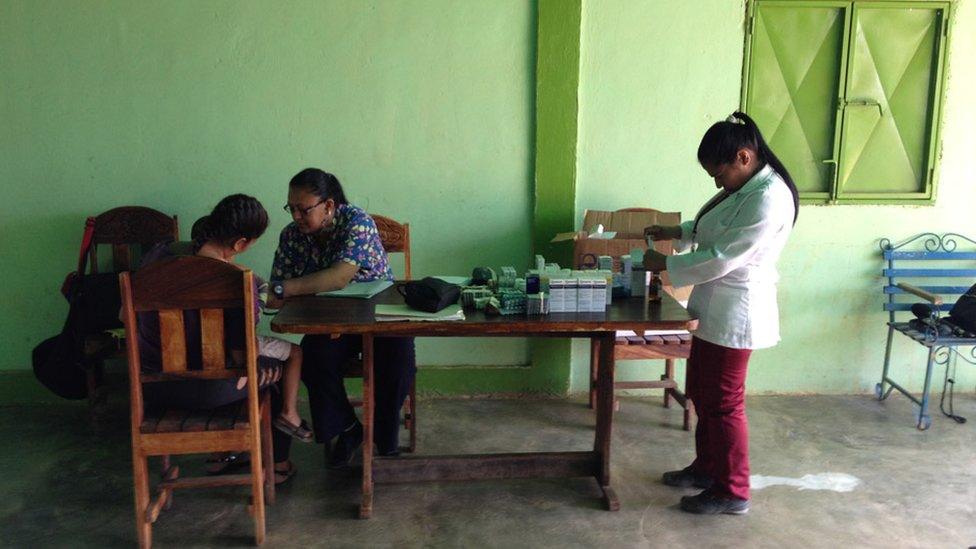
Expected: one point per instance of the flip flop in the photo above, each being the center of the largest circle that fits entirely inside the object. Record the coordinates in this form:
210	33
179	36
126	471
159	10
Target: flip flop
219	466
301	431
282	477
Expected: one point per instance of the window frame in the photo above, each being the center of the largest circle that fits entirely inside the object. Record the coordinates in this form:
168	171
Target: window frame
937	98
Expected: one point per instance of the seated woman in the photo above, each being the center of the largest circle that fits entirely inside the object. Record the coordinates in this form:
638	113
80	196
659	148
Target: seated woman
233	225
329	244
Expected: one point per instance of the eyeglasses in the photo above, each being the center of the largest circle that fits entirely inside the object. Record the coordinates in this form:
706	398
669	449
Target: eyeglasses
302	211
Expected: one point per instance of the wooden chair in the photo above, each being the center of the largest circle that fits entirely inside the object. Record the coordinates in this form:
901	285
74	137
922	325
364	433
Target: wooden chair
649	346
122	228
129	226
395	237
206	287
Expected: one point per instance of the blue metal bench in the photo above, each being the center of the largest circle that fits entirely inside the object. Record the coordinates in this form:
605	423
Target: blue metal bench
927	266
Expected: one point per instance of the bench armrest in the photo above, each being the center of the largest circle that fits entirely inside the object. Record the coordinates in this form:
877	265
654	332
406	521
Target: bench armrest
931	298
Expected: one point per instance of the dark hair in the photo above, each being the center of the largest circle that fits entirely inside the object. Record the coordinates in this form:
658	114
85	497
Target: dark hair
723	140
236	216
322	184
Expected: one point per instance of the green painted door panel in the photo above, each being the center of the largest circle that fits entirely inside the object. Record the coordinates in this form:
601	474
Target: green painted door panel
795	69
890	104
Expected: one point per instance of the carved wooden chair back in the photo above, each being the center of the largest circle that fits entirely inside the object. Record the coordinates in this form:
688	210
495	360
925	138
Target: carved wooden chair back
396	239
129	226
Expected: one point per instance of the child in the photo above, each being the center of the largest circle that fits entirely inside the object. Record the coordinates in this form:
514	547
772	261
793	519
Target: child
233	225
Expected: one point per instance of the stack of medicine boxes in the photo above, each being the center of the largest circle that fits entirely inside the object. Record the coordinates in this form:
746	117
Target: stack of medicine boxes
577	291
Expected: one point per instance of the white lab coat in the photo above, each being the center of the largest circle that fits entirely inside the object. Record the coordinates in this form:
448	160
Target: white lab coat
732	263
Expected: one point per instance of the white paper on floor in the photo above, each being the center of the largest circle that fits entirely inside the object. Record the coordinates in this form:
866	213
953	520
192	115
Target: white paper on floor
838	482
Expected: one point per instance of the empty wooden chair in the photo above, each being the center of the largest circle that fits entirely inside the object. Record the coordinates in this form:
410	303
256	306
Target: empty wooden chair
650	346
210	289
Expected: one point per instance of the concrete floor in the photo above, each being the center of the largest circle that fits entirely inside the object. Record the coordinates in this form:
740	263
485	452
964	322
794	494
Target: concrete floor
65	484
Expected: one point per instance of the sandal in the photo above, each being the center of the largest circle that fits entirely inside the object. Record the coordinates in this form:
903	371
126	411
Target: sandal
301	431
282	477
227	463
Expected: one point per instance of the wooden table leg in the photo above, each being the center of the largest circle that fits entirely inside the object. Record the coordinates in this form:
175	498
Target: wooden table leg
604	416
594	369
366	508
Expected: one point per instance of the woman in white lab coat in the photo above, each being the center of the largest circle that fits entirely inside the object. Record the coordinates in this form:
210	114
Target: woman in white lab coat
734	242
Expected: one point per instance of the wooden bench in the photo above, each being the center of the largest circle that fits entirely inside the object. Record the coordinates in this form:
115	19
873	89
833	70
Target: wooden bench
650	346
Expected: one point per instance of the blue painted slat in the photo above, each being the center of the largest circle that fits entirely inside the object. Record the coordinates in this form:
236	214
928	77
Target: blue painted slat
952	273
908	306
922	256
938	290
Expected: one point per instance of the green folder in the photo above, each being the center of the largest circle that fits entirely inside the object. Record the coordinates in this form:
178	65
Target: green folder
360	290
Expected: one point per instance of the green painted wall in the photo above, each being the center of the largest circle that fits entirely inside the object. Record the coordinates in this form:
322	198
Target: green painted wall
427	111
654	76
423	109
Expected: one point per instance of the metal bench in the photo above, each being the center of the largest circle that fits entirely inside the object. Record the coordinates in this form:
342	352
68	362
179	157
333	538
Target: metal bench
927	266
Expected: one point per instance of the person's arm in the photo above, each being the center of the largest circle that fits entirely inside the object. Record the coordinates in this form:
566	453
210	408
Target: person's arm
683	241
358	251
335	277
751	227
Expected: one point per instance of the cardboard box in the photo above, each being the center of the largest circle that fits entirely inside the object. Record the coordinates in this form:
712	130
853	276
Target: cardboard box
629	228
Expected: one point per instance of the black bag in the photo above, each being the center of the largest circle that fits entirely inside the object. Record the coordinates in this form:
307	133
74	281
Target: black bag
58	365
963	313
94	301
97	301
430	294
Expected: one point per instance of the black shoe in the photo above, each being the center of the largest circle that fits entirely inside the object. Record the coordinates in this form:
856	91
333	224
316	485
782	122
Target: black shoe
348	447
706	503
686	478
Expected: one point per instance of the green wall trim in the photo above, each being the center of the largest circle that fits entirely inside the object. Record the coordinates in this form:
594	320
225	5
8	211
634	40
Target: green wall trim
557	109
557	123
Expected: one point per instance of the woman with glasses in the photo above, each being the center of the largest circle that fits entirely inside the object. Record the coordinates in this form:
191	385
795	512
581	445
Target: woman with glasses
329	244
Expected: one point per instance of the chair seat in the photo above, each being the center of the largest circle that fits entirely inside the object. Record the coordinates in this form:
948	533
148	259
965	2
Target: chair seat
177	420
922	338
653	337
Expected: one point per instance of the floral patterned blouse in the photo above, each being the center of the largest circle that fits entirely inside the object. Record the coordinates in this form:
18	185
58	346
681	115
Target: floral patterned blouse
354	239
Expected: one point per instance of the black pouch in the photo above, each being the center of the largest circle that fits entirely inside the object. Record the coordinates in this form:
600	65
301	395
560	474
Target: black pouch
98	301
430	294
963	313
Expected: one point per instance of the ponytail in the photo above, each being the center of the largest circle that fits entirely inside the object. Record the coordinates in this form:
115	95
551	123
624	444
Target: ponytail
724	139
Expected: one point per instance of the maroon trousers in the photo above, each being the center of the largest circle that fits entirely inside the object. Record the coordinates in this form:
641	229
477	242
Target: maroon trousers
716	379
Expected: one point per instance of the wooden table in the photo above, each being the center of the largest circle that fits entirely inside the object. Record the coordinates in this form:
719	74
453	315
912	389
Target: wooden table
324	315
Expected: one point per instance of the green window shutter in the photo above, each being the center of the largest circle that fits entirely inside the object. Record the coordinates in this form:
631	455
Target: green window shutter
891	104
794	71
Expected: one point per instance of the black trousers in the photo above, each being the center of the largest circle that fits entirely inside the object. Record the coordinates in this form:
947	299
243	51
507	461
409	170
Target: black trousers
323	367
208	394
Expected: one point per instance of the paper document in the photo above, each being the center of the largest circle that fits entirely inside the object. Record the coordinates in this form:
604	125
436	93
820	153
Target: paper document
360	290
399	313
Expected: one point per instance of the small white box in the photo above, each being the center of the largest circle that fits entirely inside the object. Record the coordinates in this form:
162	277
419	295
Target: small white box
557	295
584	295
600	296
570	295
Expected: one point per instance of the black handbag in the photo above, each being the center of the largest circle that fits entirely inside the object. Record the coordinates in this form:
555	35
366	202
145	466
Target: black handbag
430	294
963	313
